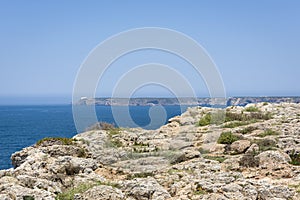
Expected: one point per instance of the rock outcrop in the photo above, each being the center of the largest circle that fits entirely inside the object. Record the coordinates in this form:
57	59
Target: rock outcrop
250	152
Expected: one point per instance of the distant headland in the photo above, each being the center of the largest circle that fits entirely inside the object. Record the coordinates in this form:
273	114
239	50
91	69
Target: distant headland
231	101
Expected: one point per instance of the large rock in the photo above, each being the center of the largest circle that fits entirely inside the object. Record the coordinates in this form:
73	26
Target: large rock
102	192
145	189
240	146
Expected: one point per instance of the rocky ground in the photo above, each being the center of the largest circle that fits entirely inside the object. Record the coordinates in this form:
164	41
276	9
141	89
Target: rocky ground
250	152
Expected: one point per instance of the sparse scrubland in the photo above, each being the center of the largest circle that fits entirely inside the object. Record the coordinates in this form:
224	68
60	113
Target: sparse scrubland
250	152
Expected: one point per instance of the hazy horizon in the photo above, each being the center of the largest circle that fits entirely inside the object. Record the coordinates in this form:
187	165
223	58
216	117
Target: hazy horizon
254	44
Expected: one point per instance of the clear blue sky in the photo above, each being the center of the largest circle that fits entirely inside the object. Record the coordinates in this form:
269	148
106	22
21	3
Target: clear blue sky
255	44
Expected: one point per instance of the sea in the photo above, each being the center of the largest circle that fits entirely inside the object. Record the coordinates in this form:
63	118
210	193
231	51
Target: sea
23	126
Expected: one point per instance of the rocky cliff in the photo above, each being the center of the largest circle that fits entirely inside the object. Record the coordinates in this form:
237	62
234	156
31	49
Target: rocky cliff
238	153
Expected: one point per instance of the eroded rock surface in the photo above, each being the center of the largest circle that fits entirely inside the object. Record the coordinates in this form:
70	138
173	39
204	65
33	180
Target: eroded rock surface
257	159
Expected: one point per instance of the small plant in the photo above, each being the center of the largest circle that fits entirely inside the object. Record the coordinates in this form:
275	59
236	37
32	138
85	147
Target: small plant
56	140
200	191
248	129
69	194
114	131
220	159
297	187
265	144
27	197
204	121
295	157
235	124
251	109
268	132
265	103
203	151
227	138
82	153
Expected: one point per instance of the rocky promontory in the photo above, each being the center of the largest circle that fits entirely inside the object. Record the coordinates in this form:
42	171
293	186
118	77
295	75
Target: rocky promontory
250	153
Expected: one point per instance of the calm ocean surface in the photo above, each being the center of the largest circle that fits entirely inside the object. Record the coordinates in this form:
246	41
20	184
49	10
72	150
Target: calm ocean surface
22	126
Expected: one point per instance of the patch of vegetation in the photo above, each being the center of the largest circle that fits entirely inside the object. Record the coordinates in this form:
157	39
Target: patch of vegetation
297	187
248	129
212	118
200	190
56	140
115	143
227	138
114	131
27	197
69	194
236	124
176	171
265	144
252	116
251	109
295	158
204	121
140	175
203	151
268	132
82	153
220	159
265	103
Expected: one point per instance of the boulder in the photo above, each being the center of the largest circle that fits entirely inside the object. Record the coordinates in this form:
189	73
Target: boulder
240	146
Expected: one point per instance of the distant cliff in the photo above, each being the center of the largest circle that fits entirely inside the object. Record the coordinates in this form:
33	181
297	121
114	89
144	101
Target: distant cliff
237	101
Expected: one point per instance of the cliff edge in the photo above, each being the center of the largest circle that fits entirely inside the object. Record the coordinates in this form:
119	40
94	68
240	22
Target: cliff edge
250	152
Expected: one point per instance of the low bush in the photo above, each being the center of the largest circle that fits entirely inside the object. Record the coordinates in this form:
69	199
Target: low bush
236	124
70	193
204	121
268	132
55	140
248	129
251	109
295	157
265	144
227	138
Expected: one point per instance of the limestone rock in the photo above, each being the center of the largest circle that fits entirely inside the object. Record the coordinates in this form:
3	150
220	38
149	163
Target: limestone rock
240	146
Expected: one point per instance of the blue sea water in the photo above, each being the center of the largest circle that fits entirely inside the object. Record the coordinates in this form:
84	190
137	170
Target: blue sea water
22	126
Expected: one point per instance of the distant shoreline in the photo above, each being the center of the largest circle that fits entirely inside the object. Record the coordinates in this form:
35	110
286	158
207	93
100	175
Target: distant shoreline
205	101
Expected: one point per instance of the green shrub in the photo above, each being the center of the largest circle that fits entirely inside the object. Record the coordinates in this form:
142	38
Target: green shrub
204	121
56	140
251	109
69	194
252	116
248	129
27	197
114	131
268	132
235	124
265	144
295	158
227	138
200	190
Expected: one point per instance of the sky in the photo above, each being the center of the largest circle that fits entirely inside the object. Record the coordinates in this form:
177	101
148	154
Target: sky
254	44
